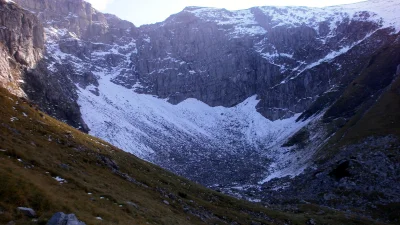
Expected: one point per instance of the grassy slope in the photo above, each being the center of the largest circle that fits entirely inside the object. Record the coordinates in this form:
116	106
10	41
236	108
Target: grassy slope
34	148
370	103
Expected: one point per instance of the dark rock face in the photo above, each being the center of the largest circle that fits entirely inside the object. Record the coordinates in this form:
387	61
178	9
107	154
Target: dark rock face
21	47
78	17
54	93
53	87
359	177
200	63
188	56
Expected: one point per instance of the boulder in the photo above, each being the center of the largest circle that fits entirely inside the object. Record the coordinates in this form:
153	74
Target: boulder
27	211
61	218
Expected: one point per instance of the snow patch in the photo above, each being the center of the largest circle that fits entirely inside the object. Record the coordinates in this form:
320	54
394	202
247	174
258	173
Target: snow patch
241	22
60	180
332	55
145	122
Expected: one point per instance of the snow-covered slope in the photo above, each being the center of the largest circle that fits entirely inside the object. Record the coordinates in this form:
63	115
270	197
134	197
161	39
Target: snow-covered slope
137	113
146	125
386	11
245	22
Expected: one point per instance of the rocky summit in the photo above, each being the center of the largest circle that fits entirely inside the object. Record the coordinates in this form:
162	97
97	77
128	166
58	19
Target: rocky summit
278	105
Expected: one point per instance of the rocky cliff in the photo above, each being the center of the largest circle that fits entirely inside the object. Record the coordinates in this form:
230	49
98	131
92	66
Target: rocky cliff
52	84
222	57
21	47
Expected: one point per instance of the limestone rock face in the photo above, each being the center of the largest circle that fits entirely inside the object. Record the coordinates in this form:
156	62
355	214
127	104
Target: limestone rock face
21	47
201	53
72	29
78	17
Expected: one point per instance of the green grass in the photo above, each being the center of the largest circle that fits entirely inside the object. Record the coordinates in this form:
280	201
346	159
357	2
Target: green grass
45	146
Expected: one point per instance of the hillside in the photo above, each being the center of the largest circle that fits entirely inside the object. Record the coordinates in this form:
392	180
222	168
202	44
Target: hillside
51	167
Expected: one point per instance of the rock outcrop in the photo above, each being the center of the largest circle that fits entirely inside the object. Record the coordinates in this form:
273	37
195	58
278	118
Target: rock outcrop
61	218
21	47
27	211
79	18
51	84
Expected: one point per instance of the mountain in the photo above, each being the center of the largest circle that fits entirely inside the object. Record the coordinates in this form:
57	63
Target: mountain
277	105
51	167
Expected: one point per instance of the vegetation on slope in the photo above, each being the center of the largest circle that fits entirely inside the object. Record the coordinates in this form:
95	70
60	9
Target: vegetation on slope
370	107
370	104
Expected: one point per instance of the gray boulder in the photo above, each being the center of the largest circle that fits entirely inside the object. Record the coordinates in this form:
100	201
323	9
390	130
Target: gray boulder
61	218
27	211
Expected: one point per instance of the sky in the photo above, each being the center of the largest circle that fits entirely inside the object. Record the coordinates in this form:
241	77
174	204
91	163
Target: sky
142	12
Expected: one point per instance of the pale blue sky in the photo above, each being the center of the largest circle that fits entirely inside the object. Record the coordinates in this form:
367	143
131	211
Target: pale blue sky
151	11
